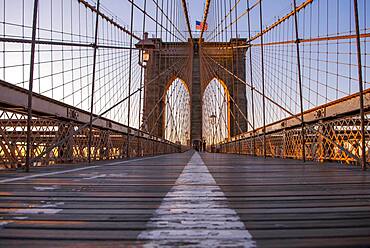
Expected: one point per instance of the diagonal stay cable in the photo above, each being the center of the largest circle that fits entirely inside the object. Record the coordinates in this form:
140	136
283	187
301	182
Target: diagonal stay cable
247	84
161	98
238	108
206	10
185	8
235	104
62	141
284	109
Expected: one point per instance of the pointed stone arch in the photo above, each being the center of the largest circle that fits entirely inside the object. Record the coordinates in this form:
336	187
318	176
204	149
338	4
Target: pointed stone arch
177	115
221	109
196	76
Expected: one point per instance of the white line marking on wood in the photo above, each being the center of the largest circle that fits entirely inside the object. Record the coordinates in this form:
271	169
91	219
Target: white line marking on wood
4	223
46	188
135	160
48	174
94	177
48	208
73	170
194	213
36	211
20	217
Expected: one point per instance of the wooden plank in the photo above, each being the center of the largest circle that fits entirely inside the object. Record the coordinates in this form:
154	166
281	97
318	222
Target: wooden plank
283	203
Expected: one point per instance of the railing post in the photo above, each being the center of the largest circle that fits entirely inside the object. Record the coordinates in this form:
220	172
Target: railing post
299	81
30	87
93	81
284	143
153	153
359	66
263	84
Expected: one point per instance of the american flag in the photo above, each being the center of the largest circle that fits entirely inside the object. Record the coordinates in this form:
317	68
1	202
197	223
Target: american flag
199	25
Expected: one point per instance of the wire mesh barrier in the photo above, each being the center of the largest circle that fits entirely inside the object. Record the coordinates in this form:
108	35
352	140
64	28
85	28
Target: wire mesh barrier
312	56
46	131
326	140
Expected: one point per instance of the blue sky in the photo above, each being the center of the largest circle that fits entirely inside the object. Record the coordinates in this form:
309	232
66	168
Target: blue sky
121	9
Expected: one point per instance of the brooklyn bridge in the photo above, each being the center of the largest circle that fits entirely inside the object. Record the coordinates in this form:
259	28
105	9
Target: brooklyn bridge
181	123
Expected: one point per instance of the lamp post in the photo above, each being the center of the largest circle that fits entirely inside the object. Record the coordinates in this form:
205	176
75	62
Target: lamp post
145	45
143	57
213	118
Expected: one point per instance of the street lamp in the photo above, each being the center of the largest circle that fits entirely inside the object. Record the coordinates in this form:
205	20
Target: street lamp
145	45
213	118
144	57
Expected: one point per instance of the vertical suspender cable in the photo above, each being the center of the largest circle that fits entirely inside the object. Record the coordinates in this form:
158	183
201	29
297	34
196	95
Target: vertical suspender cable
251	78
93	80
129	83
263	84
359	66
30	87
300	82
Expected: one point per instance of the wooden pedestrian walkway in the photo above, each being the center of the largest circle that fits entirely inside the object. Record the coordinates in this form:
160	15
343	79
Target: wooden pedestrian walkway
187	200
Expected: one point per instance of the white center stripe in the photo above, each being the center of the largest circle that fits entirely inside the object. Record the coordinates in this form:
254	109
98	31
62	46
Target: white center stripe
195	214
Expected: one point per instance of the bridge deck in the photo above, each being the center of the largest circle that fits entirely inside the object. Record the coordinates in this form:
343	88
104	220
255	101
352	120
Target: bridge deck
176	199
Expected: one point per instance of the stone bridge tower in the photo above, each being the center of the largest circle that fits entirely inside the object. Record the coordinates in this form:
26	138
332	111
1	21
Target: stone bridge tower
166	63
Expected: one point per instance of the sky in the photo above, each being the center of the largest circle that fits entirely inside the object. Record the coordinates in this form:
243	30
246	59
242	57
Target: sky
122	9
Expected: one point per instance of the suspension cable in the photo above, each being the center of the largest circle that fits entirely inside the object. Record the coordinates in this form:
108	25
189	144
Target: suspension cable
185	8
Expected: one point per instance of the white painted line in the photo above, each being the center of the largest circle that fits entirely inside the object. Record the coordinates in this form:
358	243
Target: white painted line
20	217
48	174
44	188
73	170
194	213
48	208
94	177
135	160
3	223
36	211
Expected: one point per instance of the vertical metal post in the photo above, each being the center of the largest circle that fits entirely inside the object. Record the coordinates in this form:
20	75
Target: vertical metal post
263	85
129	82
359	65
300	81
30	87
251	78
93	81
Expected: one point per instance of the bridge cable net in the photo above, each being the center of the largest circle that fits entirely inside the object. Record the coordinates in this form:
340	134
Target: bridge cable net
177	113
216	114
88	79
305	72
